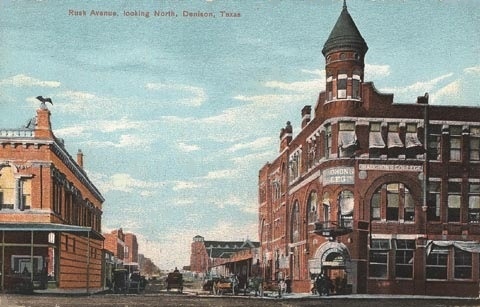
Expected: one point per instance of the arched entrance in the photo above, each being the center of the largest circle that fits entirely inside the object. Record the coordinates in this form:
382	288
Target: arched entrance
333	260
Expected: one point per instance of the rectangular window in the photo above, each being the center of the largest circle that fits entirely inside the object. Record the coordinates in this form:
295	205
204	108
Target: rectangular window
474	144
328	141
437	263
393	198
342	86
347	139
378	262
408	207
433	213
404	258
455	143
375	206
474	202
434	142
463	264
454	201
329	88
356	87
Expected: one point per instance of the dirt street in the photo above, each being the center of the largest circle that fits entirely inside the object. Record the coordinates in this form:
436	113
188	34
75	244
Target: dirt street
156	296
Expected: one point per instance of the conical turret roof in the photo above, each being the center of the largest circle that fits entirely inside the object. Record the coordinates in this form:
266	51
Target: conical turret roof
345	35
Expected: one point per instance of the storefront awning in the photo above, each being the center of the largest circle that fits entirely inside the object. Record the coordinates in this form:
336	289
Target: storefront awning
347	139
375	140
411	140
394	140
49	227
468	246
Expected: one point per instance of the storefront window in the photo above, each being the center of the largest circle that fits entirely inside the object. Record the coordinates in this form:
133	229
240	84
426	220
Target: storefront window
404	258
437	263
463	264
474	202
378	262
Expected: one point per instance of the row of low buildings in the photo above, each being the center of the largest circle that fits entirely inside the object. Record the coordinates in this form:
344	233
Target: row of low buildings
212	258
50	215
380	196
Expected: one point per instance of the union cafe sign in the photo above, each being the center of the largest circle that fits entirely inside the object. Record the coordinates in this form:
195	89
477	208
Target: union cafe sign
338	175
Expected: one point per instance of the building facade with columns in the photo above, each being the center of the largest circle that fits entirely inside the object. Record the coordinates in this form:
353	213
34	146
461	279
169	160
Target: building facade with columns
50	212
382	197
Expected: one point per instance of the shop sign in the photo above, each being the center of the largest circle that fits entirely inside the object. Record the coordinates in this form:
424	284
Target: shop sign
390	167
338	175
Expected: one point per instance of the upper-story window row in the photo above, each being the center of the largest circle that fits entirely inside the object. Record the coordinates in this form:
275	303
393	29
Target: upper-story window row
454	143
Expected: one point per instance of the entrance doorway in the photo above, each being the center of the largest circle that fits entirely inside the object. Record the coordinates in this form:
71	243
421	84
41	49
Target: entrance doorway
333	260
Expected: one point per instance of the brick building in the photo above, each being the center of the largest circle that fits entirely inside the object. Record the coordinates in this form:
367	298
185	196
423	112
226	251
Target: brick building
50	211
380	196
115	244
124	249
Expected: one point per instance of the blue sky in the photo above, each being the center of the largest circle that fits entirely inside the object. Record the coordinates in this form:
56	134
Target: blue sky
176	115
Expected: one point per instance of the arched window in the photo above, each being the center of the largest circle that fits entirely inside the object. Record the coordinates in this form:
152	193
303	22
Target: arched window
295	223
312	207
346	202
392	202
326	207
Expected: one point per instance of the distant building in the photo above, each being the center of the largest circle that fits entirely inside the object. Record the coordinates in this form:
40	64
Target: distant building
380	196
206	255
130	259
124	248
50	211
115	244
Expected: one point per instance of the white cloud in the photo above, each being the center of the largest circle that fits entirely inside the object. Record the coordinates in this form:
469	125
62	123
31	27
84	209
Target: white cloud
124	182
374	71
317	72
299	86
133	141
448	93
198	94
410	92
472	70
186	147
260	143
255	158
184	185
74	131
114	125
222	174
24	80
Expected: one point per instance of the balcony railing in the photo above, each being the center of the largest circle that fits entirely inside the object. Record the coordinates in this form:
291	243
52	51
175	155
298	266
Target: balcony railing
333	229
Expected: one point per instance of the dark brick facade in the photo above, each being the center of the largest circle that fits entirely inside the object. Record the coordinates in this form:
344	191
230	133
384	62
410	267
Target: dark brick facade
360	195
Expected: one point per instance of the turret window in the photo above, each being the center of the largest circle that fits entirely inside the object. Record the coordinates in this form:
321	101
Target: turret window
356	87
342	86
329	88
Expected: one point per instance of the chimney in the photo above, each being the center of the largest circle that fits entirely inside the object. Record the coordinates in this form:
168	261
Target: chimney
285	136
43	130
80	158
306	114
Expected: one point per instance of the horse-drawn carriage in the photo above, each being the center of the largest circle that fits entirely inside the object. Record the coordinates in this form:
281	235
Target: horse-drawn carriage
174	281
123	282
226	285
